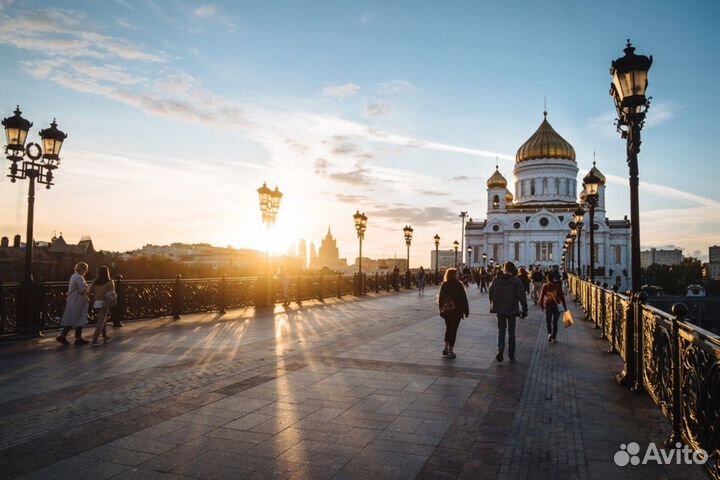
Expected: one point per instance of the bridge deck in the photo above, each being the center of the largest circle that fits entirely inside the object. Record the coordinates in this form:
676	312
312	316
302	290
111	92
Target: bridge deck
354	389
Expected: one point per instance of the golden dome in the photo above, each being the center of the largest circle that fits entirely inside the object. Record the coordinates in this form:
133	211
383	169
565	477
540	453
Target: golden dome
545	143
508	197
496	180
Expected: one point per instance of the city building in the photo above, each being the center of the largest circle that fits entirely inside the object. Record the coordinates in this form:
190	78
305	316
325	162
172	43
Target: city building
302	253
328	254
446	259
371	265
528	227
714	254
712	268
656	256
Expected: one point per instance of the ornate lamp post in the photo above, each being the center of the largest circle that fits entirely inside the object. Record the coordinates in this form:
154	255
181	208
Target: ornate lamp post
269	208
37	165
579	215
437	261
469	255
484	257
360	226
456	245
629	84
592	184
628	89
408	232
463	216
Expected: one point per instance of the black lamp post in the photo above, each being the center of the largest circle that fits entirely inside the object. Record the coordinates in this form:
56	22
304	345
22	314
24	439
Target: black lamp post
579	214
456	246
360	226
269	208
437	261
484	256
469	256
628	88
37	165
592	185
407	233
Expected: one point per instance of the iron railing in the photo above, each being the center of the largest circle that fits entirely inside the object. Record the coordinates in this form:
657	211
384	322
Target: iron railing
140	299
675	362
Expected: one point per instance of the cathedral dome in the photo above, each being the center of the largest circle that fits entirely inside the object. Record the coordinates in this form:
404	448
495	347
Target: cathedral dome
594	170
508	197
545	143
496	180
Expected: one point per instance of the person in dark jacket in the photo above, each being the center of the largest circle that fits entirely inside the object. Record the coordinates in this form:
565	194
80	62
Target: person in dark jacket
551	298
453	305
506	294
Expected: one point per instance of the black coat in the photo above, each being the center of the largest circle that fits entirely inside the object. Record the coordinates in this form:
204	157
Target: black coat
455	291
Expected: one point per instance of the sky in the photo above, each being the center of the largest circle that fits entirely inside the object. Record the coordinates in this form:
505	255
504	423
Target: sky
177	111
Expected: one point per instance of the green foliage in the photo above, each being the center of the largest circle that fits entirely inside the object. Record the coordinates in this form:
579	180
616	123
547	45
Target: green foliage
674	279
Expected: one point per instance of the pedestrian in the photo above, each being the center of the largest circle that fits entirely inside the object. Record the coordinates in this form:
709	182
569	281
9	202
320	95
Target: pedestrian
453	305
506	294
525	279
102	302
76	306
538	279
396	278
552	301
565	281
284	285
421	281
483	280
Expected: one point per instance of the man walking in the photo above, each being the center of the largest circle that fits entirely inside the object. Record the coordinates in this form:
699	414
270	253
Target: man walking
505	293
537	279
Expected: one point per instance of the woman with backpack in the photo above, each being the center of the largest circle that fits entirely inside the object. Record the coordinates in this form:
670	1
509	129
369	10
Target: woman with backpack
453	305
552	301
104	298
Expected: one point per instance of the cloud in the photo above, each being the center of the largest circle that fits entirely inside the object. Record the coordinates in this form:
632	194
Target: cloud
415	216
366	18
205	11
321	166
396	87
378	108
353	199
659	113
5	4
358	176
341	91
123	23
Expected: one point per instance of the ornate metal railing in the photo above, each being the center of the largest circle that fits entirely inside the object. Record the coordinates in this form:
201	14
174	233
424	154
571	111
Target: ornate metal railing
674	361
138	299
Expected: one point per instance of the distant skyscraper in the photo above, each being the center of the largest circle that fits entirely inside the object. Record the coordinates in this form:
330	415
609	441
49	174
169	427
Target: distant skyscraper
328	254
302	253
313	254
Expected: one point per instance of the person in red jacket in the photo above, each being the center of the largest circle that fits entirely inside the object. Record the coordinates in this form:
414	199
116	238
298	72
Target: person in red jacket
552	301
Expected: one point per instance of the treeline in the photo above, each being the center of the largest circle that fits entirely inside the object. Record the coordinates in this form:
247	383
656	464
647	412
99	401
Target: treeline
674	279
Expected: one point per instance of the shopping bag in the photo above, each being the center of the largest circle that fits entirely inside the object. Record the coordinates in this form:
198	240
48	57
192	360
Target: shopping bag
568	319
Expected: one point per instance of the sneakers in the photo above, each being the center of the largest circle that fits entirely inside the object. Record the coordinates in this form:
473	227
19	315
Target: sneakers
512	358
452	355
445	352
499	356
550	338
62	340
81	341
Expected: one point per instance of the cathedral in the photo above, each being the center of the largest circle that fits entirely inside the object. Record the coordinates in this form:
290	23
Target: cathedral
528	227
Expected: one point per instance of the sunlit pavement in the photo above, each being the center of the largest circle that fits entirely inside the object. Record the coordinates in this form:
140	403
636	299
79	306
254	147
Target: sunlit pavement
350	389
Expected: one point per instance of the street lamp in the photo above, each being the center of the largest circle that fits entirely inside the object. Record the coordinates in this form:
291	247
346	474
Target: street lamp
629	84
469	256
408	232
592	183
37	164
269	208
463	215
437	262
484	256
360	226
456	245
579	215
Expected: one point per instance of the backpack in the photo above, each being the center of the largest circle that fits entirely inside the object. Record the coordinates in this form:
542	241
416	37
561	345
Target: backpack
111	299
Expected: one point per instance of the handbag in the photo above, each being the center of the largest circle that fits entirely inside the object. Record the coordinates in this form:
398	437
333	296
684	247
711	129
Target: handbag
111	299
568	319
560	308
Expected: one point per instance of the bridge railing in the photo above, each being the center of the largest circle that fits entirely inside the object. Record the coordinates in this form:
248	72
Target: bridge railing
152	298
676	362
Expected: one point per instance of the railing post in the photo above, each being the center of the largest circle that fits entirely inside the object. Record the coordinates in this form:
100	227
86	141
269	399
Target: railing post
118	313
377	282
679	310
603	311
613	321
223	291
627	376
177	298
639	333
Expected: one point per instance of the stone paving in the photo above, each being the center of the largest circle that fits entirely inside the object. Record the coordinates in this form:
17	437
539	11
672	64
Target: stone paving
349	389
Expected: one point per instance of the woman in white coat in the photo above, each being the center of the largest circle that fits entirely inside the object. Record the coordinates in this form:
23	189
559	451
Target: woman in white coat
76	306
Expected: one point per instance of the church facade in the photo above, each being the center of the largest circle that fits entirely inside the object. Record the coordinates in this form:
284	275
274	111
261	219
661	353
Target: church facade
528	225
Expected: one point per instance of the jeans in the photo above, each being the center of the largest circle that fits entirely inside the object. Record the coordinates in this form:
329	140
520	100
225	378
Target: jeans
551	318
506	322
451	328
101	316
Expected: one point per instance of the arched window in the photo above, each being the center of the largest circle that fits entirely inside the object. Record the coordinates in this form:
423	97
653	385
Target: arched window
557	186
532	187
545	186
496	201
